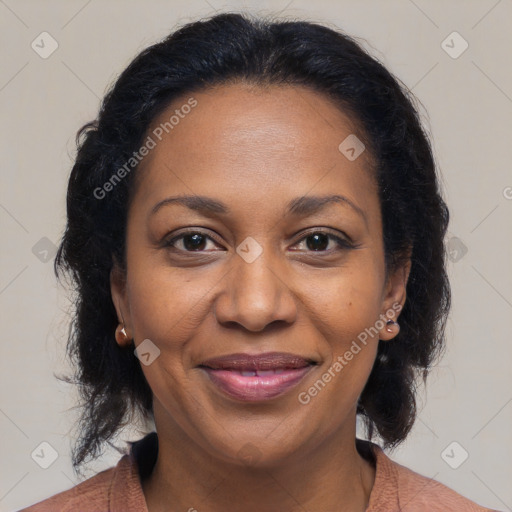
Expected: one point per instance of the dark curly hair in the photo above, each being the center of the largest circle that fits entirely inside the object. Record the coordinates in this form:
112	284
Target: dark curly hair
231	48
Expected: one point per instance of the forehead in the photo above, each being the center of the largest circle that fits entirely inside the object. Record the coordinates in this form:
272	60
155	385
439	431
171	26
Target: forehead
253	144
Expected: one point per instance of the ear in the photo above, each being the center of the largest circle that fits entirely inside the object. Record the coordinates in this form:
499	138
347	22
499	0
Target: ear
119	298
394	294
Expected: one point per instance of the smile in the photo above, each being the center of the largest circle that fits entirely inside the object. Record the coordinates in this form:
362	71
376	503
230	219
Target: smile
255	378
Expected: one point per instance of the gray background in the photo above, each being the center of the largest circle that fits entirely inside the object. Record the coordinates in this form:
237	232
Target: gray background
467	107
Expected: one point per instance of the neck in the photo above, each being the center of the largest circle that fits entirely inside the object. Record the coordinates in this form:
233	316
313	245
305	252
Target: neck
332	476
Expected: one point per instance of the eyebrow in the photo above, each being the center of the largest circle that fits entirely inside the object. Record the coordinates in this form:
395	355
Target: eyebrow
301	206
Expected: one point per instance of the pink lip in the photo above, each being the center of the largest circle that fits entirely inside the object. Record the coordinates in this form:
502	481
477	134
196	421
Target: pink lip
256	377
255	388
264	361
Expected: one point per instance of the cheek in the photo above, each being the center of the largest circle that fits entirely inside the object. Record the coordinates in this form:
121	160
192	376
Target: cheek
345	304
344	309
166	304
167	307
343	315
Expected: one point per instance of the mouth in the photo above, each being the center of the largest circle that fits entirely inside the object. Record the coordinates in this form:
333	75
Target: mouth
259	377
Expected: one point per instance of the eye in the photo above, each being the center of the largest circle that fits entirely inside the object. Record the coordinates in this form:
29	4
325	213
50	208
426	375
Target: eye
318	241
190	241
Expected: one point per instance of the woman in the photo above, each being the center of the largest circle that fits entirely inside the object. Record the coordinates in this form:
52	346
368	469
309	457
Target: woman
255	231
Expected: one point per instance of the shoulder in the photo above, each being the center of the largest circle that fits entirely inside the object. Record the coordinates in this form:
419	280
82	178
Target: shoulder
398	486
417	490
96	492
117	489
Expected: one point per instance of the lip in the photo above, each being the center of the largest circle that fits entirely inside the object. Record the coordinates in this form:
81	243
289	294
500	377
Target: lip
257	377
264	361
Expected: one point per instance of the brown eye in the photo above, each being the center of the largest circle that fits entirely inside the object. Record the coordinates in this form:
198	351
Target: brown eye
191	241
319	241
194	242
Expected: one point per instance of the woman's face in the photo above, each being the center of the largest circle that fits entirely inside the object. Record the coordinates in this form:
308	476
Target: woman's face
271	266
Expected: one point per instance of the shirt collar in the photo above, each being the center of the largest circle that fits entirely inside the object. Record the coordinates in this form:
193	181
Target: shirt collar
126	490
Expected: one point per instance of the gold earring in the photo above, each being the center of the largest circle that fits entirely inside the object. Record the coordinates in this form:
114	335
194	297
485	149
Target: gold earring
121	336
391	325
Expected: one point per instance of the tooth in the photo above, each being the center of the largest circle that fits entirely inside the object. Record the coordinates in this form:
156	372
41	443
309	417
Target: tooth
248	373
265	373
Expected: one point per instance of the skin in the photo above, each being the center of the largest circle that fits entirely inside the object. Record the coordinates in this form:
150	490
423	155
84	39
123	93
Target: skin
255	149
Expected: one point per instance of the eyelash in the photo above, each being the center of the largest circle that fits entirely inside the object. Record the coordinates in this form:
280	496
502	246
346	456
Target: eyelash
341	242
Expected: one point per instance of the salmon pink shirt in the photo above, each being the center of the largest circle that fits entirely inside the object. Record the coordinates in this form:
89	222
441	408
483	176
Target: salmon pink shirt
118	489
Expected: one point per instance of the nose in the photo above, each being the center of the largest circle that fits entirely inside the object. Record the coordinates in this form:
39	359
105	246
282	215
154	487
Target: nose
255	295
